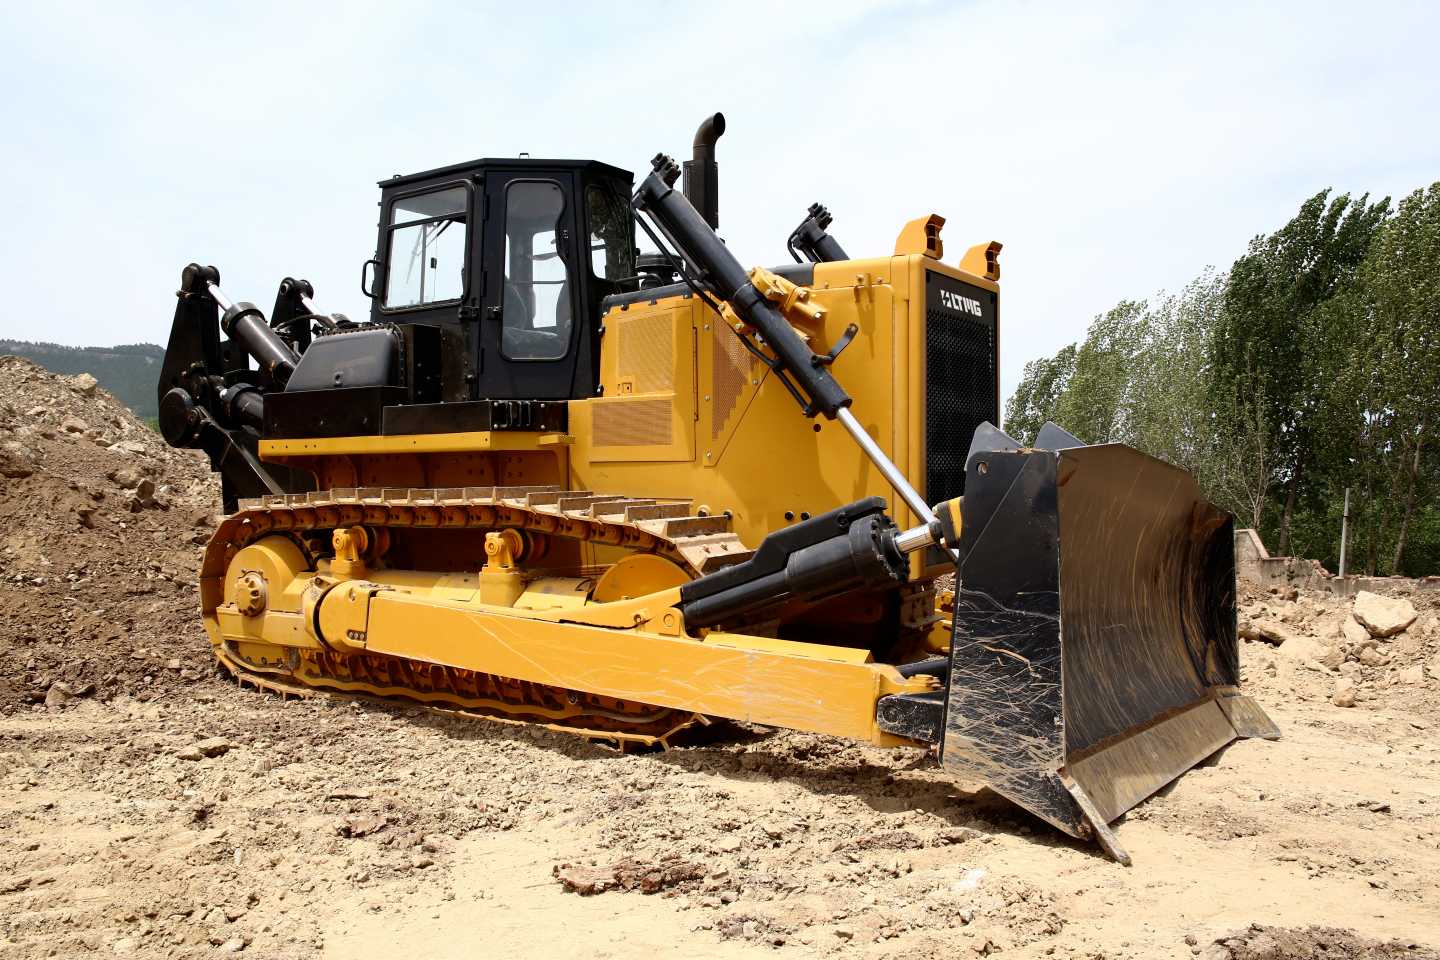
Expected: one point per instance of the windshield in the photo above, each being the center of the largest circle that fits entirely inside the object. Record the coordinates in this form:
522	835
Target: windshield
427	248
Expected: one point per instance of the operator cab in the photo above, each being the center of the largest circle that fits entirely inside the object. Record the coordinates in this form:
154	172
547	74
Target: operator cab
508	261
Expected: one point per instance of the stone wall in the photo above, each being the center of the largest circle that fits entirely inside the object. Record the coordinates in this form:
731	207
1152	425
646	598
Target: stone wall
1254	563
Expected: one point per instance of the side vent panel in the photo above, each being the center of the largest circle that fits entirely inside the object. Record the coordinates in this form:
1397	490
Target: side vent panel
647	410
646	345
632	423
732	367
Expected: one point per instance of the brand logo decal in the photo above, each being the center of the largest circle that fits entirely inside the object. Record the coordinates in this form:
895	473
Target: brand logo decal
955	301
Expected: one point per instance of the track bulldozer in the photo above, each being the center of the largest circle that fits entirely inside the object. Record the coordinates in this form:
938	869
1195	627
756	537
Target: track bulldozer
552	480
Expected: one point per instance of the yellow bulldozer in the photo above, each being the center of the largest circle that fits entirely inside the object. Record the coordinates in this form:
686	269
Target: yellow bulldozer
553	480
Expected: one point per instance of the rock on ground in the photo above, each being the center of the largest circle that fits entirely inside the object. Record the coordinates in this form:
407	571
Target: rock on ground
1355	635
1344	694
1383	616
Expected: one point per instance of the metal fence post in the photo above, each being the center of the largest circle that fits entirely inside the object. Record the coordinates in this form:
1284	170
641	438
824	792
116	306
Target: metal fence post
1344	530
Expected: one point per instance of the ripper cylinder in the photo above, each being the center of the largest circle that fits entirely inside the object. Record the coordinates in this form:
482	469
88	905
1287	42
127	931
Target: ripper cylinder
245	324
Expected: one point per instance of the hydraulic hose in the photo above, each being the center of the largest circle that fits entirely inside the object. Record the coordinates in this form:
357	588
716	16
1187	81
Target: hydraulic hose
813	239
698	243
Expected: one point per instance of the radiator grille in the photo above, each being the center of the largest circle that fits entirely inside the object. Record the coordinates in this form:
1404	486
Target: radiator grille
961	390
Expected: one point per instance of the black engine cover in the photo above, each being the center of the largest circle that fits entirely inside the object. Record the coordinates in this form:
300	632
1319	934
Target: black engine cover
358	358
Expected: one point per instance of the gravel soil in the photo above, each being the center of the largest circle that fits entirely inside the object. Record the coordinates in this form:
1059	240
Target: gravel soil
150	809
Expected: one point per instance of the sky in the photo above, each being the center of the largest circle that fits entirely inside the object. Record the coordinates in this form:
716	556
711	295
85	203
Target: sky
1115	149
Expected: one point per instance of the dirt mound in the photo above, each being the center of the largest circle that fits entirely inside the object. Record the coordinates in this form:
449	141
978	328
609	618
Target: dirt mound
100	530
1311	943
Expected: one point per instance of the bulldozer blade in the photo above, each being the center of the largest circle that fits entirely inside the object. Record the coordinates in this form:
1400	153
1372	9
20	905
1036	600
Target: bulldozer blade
1054	437
1094	655
988	437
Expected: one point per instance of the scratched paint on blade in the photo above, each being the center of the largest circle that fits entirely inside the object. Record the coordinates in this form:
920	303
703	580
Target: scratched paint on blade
1003	721
1096	598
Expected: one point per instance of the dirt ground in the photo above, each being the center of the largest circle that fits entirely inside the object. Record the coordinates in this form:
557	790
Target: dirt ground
150	809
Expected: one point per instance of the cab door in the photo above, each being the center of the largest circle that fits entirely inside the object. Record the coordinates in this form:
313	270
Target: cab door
534	336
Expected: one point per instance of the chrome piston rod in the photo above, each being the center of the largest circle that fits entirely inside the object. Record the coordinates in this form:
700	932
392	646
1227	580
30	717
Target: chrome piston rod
916	538
219	297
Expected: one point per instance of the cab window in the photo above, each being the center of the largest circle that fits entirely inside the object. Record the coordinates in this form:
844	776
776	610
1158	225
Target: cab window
426	262
612	248
536	317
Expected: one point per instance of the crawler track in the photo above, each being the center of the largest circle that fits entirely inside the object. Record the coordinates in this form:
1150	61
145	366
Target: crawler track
666	528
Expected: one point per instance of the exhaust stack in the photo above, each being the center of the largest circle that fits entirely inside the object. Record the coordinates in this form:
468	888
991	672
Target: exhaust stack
702	176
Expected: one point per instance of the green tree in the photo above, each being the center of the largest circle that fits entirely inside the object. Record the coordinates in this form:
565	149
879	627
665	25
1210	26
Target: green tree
1095	403
1313	366
1238	473
1402	289
1169	376
1035	399
1272	342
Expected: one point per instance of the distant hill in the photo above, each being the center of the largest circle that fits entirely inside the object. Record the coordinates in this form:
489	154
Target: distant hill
129	371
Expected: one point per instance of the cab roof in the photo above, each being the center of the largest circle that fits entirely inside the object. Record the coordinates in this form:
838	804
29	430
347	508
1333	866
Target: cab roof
509	163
